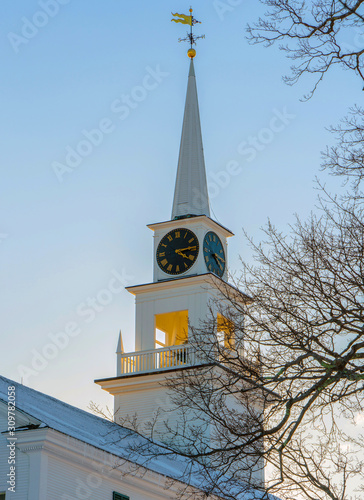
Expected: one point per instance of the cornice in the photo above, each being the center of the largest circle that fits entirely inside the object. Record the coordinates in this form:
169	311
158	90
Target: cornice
192	221
198	279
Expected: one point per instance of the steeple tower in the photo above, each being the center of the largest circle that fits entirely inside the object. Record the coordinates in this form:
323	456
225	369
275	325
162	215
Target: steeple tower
190	262
190	194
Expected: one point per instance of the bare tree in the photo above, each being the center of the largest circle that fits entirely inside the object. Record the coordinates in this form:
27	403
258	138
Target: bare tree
281	379
292	374
346	159
317	34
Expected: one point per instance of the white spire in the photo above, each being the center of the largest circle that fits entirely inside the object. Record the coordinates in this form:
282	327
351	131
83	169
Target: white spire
119	352
190	195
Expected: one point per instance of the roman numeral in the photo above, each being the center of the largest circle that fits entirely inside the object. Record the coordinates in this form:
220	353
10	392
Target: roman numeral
169	268
177	234
170	238
164	262
177	269
162	254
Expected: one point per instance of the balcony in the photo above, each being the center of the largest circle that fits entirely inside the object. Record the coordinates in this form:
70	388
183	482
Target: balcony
157	360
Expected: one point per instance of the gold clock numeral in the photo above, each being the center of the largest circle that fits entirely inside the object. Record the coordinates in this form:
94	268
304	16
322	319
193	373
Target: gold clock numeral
210	237
206	249
164	262
191	257
185	235
186	266
163	245
206	258
213	237
177	269
170	238
162	254
169	268
209	267
221	251
177	234
191	240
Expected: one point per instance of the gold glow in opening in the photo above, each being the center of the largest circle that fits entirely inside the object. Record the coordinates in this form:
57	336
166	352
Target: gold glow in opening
171	329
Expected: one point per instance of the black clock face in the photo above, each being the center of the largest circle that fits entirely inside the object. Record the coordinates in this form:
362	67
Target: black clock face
214	254
177	251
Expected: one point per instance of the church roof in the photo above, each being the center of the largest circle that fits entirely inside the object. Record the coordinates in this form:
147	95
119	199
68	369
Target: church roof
190	195
45	411
79	424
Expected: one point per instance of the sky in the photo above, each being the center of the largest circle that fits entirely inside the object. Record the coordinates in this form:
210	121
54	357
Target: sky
92	97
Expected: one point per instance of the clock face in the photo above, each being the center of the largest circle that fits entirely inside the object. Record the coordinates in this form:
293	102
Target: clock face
177	251
214	255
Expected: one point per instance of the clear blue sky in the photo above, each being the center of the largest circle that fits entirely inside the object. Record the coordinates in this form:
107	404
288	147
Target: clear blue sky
62	242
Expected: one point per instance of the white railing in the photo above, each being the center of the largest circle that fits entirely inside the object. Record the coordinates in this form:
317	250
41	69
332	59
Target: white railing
157	360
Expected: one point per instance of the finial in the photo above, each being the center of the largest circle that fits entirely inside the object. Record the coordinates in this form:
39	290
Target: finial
120	347
191	38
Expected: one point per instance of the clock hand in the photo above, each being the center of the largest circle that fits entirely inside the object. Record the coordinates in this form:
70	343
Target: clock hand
187	248
217	262
218	256
179	252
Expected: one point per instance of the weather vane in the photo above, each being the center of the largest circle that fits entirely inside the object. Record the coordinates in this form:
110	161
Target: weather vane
191	37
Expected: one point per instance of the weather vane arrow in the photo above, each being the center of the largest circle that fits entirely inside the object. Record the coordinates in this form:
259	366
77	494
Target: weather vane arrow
191	37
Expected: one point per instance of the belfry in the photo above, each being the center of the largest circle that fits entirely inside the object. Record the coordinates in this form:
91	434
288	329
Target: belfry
190	259
190	268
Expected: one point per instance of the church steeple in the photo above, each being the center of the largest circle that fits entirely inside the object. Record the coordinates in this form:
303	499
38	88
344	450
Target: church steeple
191	195
190	270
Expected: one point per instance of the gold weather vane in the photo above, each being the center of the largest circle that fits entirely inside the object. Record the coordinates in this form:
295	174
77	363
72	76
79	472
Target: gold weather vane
191	38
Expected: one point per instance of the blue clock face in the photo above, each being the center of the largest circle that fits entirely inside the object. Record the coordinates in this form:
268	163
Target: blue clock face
214	255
